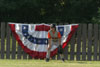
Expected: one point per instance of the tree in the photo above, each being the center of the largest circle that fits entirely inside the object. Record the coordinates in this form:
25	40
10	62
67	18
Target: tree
97	18
71	11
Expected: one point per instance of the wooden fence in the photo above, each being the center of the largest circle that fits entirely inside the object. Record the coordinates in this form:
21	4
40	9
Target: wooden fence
84	44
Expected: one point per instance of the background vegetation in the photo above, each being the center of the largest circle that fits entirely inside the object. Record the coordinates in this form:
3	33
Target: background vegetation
47	11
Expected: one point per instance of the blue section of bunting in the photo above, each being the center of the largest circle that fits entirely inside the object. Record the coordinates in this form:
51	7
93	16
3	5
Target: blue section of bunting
61	30
34	40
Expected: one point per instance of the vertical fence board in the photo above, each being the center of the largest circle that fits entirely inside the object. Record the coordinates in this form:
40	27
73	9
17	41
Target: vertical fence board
2	40
89	41
84	38
8	42
66	53
99	42
13	47
19	52
54	57
29	57
95	41
72	47
78	42
24	55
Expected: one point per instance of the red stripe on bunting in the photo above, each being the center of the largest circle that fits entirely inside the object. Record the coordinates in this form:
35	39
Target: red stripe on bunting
42	28
73	29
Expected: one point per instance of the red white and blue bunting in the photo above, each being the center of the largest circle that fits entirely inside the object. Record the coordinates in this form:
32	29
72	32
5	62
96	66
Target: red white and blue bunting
33	37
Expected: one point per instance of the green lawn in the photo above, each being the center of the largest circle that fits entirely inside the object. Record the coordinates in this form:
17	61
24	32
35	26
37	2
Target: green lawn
52	63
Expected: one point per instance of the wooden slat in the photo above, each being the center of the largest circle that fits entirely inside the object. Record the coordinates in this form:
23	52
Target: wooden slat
72	47
58	56
95	41
13	47
8	42
54	57
84	37
89	41
29	57
24	55
19	52
78	42
66	52
2	39
99	41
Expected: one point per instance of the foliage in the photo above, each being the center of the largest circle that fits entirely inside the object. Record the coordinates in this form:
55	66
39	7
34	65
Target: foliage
97	18
72	11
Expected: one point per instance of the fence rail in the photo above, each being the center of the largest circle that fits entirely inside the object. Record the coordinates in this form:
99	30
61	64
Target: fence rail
84	44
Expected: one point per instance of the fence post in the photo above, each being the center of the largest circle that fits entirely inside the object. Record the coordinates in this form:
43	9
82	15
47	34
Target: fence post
19	51
89	41
84	40
95	41
24	55
99	41
2	39
8	42
72	45
78	42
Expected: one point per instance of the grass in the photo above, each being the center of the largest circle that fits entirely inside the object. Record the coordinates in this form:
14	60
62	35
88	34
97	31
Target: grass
52	63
